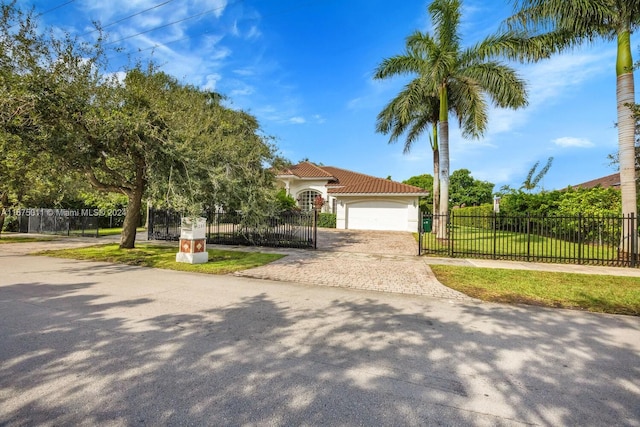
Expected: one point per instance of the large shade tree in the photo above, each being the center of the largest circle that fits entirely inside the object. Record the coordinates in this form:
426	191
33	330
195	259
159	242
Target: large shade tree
134	135
444	67
567	24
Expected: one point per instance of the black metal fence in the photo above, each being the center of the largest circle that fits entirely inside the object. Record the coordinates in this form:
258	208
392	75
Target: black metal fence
581	239
69	222
287	230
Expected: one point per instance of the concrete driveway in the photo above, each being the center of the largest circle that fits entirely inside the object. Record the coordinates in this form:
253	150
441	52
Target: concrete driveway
99	344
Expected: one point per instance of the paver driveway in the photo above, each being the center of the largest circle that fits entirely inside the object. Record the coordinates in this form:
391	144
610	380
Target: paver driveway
367	242
370	260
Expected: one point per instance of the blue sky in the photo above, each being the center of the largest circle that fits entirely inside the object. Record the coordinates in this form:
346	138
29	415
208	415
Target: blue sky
304	69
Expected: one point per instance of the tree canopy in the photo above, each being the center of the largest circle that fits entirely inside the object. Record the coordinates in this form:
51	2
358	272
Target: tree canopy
464	77
140	133
465	189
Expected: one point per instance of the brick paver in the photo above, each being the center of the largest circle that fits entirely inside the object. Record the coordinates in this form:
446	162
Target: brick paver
368	260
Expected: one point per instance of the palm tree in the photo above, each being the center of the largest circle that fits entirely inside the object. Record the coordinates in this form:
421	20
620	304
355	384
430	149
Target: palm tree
401	115
567	24
532	182
462	77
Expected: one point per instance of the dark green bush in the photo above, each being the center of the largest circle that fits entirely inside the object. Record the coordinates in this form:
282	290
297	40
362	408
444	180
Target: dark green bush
326	220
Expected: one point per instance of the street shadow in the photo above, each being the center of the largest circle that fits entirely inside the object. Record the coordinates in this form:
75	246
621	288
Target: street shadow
72	357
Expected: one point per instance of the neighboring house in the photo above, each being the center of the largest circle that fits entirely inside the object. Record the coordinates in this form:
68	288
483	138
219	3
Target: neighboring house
360	202
609	181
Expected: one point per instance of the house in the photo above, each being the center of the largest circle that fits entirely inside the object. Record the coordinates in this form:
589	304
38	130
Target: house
360	202
609	181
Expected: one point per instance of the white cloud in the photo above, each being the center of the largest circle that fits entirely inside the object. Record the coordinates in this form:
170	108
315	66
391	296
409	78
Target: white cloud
355	103
554	77
244	90
297	120
245	72
568	141
253	33
211	80
318	118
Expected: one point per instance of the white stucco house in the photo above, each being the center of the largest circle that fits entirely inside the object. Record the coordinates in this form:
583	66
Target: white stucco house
360	202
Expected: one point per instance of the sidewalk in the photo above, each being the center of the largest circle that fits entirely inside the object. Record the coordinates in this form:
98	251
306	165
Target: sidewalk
536	266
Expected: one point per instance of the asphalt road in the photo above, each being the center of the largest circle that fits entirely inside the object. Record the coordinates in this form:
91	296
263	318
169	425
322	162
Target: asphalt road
97	344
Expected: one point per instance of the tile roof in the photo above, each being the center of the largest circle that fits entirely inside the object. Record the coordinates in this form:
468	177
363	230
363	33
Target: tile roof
306	170
609	181
342	181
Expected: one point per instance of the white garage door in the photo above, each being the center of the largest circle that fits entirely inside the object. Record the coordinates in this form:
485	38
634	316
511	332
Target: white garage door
377	216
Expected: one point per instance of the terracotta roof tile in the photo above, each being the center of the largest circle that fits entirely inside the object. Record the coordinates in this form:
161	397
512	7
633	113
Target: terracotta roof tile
342	181
609	181
306	170
349	182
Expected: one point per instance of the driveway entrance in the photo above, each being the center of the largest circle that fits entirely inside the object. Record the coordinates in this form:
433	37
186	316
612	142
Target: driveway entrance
367	242
370	260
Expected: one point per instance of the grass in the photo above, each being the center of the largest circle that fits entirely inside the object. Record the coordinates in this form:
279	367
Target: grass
602	294
472	241
220	262
23	239
104	231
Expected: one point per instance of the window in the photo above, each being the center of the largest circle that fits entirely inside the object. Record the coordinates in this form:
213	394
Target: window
307	198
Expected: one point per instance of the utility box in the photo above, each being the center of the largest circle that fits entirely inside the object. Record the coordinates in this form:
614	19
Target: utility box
193	241
427	223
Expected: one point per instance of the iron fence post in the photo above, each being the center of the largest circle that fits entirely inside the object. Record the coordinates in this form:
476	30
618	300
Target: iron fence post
528	236
450	235
315	229
495	236
579	238
150	224
420	229
634	239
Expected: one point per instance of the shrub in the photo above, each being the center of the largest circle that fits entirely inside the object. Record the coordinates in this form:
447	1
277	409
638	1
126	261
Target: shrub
326	220
474	216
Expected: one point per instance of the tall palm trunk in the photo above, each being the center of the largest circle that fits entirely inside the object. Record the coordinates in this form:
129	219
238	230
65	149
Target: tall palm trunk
442	233
626	136
436	177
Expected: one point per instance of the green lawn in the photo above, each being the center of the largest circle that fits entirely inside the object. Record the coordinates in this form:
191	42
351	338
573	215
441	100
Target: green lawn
474	241
103	231
604	294
7	238
220	262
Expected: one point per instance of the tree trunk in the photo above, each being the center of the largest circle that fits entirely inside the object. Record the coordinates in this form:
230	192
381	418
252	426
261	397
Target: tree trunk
436	187
443	139
626	137
131	219
444	181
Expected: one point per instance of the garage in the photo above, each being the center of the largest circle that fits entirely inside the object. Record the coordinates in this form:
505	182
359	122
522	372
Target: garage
377	215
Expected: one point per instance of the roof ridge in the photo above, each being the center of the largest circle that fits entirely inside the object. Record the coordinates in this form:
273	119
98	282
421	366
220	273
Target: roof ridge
357	173
314	166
